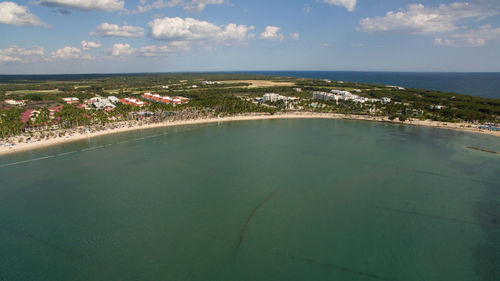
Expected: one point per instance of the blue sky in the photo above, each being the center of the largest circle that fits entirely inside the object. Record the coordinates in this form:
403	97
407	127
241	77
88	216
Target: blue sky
101	36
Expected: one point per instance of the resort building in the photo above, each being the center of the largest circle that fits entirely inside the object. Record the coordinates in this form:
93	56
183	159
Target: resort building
16	102
165	99
337	95
101	103
113	99
325	96
132	102
272	97
71	100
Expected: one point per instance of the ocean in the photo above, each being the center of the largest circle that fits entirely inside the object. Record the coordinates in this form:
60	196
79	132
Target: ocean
255	200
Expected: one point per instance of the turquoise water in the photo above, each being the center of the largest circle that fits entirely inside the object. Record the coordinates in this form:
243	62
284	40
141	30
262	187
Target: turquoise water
255	200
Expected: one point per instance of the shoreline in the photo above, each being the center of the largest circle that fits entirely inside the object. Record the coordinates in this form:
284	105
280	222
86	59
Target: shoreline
19	147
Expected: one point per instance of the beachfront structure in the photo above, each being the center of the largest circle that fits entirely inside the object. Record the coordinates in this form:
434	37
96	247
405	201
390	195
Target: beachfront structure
132	102
29	114
165	99
113	99
325	96
32	114
337	95
345	95
101	103
272	97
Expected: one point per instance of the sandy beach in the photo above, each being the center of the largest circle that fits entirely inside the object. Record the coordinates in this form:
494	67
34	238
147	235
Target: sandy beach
125	127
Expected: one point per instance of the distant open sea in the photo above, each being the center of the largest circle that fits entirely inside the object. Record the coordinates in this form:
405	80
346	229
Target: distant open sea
485	85
477	84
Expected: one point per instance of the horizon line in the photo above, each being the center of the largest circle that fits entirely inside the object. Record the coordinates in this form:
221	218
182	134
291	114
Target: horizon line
238	71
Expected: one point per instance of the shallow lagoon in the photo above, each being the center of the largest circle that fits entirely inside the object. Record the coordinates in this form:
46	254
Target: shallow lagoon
255	200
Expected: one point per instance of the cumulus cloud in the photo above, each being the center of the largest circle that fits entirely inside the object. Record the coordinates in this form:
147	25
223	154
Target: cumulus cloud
188	29
20	54
272	33
121	50
114	30
192	6
90	45
348	4
69	52
162	50
125	50
86	5
470	38
12	13
420	19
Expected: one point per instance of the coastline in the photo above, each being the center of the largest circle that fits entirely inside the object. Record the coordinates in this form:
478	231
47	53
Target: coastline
18	147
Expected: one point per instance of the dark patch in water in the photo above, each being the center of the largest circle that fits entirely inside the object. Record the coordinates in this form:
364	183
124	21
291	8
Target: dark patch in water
487	252
68	253
483	150
245	227
338	267
63	251
444	176
390	167
431	216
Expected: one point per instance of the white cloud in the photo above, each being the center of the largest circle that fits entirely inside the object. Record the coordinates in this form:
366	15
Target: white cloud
125	50
69	52
19	54
294	36
188	29
86	5
470	38
348	4
114	30
162	50
121	50
90	45
420	19
272	33
192	6
324	44
11	13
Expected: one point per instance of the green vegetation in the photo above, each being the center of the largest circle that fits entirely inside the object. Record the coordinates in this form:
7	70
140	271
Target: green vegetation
230	96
